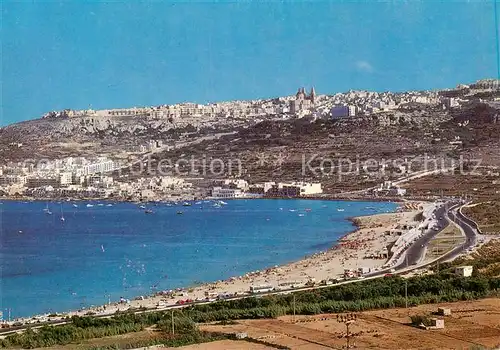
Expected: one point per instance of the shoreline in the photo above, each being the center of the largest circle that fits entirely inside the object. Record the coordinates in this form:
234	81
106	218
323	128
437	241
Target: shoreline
121	200
367	236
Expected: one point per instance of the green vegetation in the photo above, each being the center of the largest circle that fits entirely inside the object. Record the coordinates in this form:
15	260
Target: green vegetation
417	320
379	293
485	261
83	328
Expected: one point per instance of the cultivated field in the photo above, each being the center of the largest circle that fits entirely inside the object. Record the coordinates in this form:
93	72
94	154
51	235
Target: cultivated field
473	324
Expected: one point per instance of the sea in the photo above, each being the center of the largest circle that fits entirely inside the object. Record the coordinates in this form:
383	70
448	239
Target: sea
108	250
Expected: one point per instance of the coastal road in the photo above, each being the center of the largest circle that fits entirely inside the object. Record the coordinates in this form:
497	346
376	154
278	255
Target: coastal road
448	213
468	227
416	251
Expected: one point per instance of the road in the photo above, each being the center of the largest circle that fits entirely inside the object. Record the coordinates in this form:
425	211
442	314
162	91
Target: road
469	228
444	215
416	252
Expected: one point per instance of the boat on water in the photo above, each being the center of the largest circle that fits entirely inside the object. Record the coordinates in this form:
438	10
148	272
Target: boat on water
197	203
186	204
142	207
308	209
47	210
148	211
109	205
222	202
100	204
180	213
291	210
301	214
75	205
90	205
62	214
340	209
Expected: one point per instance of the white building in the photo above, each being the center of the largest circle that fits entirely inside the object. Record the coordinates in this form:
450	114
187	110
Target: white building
464	271
100	167
294	189
239	183
66	178
227	193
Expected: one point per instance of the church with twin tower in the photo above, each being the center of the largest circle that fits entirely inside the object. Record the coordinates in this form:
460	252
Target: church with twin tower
302	101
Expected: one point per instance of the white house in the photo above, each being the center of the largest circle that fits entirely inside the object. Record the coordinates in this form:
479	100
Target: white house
464	271
228	193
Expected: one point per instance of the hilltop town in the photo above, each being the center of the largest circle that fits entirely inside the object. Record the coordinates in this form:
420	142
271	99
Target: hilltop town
287	146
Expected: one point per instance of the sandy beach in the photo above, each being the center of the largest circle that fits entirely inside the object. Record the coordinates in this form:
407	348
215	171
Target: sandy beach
367	248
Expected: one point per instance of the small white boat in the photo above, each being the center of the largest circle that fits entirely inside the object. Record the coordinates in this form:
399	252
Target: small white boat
301	214
142	207
222	202
340	209
62	214
100	204
109	205
75	205
90	205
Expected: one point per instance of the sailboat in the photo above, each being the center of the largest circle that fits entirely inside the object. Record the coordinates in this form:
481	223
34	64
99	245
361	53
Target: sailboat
62	215
47	210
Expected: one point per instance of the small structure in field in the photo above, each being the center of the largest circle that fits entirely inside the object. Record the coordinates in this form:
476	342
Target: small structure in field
436	323
464	271
444	311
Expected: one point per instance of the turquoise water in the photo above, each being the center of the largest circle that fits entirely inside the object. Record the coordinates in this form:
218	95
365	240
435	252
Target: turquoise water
49	265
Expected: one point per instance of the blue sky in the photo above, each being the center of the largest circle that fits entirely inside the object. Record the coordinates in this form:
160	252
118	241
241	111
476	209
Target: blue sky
60	55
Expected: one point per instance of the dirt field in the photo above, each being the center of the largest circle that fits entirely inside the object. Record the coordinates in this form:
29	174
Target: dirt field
484	187
486	215
224	344
472	324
